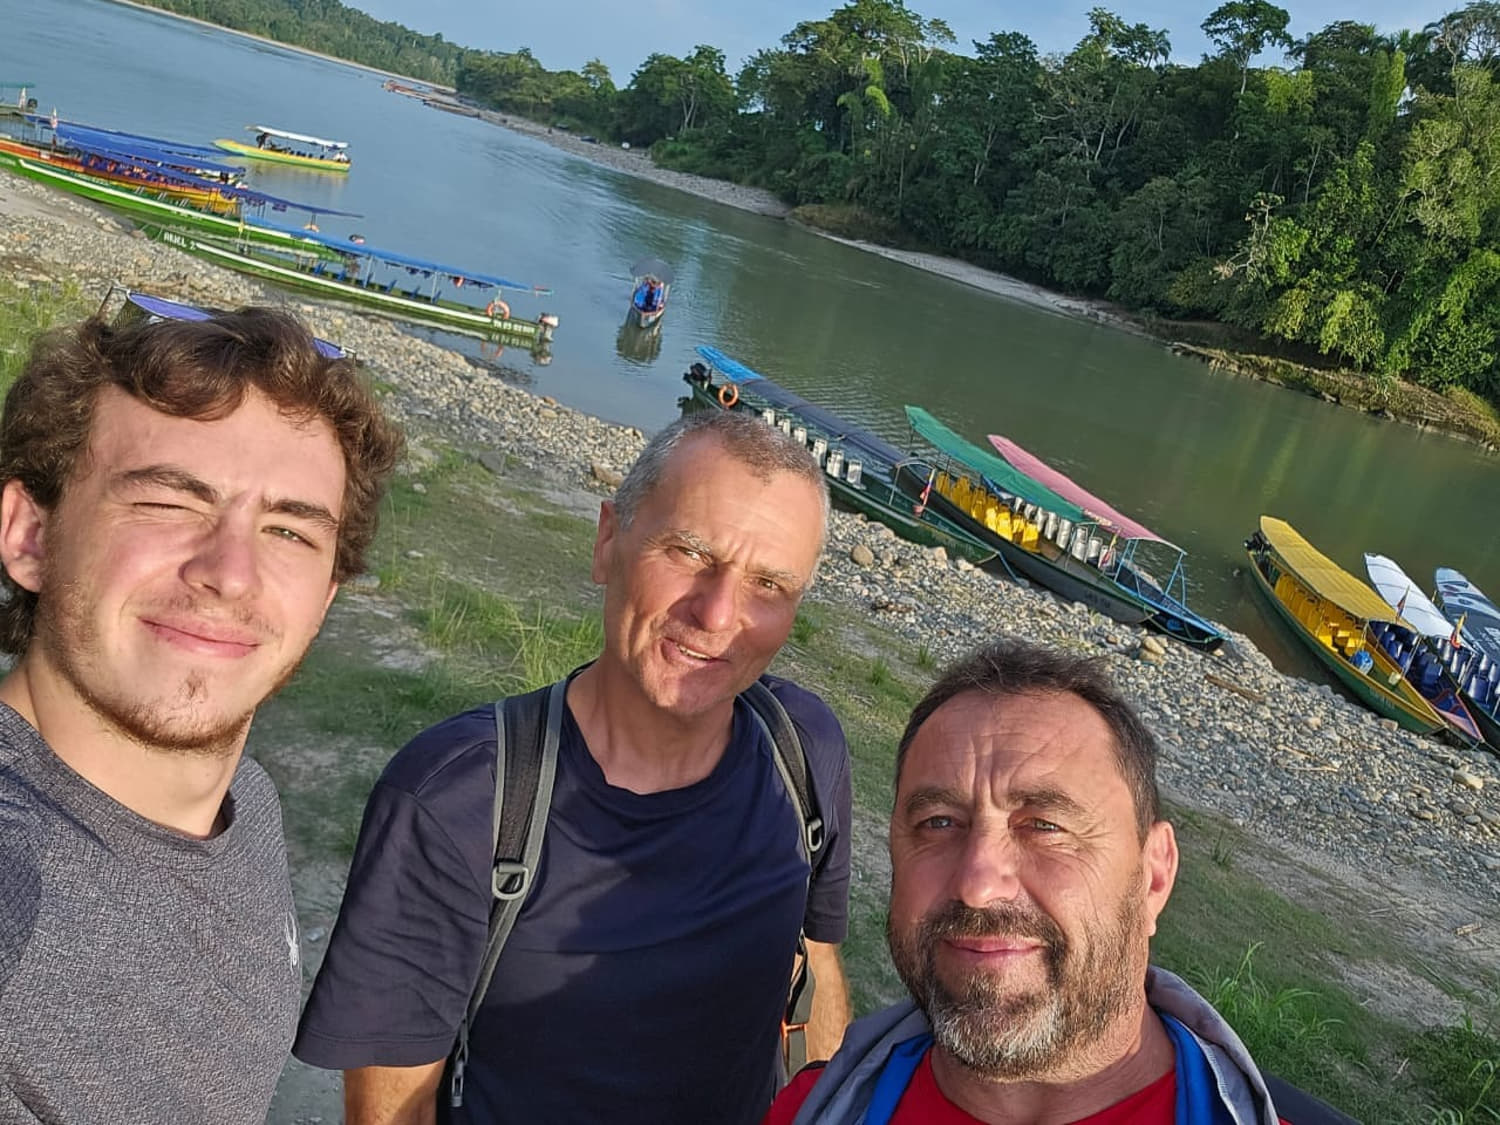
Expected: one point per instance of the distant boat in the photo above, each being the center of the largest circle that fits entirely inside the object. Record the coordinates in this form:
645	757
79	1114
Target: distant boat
1475	661
383	281
296	149
650	287
1331	612
1425	651
860	467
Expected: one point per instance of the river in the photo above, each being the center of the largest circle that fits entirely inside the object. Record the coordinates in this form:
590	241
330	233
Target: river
1196	454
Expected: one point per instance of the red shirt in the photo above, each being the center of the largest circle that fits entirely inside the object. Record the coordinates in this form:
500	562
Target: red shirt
924	1104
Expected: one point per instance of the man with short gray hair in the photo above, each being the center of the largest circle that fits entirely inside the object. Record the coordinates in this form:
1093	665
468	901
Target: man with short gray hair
647	974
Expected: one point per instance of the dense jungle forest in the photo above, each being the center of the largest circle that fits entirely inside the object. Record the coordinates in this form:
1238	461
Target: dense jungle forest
1337	195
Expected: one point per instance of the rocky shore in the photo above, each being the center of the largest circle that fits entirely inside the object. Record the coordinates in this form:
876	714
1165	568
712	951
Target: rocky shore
1295	764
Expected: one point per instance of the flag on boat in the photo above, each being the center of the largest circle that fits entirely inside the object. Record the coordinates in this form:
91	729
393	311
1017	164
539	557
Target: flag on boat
1401	605
921	505
1457	640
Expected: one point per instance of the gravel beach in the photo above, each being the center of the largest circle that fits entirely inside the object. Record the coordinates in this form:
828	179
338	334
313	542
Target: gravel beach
1295	764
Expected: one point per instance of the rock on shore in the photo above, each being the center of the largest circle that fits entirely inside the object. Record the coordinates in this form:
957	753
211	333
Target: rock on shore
1294	763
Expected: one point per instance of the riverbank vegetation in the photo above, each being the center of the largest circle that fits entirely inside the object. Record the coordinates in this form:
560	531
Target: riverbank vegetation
1344	204
1337	205
334	29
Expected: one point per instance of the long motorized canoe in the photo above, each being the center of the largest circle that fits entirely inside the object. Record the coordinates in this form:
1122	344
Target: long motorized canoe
1032	527
860	466
297	150
383	281
1331	612
1476	660
1135	541
1426	653
158	210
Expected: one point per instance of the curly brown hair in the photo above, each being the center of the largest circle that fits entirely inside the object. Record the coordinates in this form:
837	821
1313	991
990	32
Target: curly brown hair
188	369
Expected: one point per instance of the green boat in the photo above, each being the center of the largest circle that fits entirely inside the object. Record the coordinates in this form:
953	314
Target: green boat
860	467
156	209
1038	534
1332	612
370	278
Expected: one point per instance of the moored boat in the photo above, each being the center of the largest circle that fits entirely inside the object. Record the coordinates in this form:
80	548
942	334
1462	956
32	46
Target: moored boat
383	281
860	467
1425	653
1476	643
1037	533
1331	612
650	286
298	150
161	211
1134	542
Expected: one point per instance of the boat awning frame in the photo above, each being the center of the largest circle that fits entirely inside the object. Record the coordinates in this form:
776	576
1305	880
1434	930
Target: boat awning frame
302	137
405	261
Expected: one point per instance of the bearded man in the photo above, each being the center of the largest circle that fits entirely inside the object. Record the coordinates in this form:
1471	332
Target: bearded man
1029	864
180	501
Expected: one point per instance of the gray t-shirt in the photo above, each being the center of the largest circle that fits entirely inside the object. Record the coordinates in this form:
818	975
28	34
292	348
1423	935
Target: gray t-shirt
144	976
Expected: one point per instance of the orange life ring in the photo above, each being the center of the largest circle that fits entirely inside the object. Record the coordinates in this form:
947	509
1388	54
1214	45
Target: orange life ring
729	394
499	306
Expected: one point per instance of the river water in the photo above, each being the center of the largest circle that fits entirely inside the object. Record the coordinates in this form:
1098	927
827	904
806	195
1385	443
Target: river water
1195	454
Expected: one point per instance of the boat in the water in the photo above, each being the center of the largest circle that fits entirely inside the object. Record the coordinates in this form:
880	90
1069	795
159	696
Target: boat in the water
1137	552
383	281
650	286
298	150
860	467
1425	652
185	174
1332	612
1475	661
1038	534
159	210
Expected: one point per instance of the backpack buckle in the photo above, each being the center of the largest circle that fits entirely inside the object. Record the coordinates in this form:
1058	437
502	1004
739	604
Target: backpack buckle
511	880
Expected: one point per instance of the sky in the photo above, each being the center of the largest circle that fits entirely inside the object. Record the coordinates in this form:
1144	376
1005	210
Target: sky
563	34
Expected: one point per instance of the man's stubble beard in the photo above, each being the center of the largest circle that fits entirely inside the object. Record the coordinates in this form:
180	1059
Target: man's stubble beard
64	630
1004	1035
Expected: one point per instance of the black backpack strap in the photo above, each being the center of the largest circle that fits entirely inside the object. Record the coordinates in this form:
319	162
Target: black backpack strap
527	731
791	762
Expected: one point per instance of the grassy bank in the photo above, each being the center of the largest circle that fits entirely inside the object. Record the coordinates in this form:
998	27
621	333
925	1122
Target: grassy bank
484	589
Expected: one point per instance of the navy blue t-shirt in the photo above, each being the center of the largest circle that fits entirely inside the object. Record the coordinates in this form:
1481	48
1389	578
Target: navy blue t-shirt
647	973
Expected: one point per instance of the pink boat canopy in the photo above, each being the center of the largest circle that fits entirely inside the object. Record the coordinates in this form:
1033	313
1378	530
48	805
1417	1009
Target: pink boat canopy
1043	473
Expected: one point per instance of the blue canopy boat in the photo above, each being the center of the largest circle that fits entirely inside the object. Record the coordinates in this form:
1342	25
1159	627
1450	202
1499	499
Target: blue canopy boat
385	281
1475	643
860	467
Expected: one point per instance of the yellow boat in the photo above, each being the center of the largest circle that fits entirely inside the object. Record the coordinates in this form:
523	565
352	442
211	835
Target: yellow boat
1331	611
295	149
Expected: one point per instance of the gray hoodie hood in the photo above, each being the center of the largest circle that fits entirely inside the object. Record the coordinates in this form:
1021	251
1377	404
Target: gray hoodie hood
842	1094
